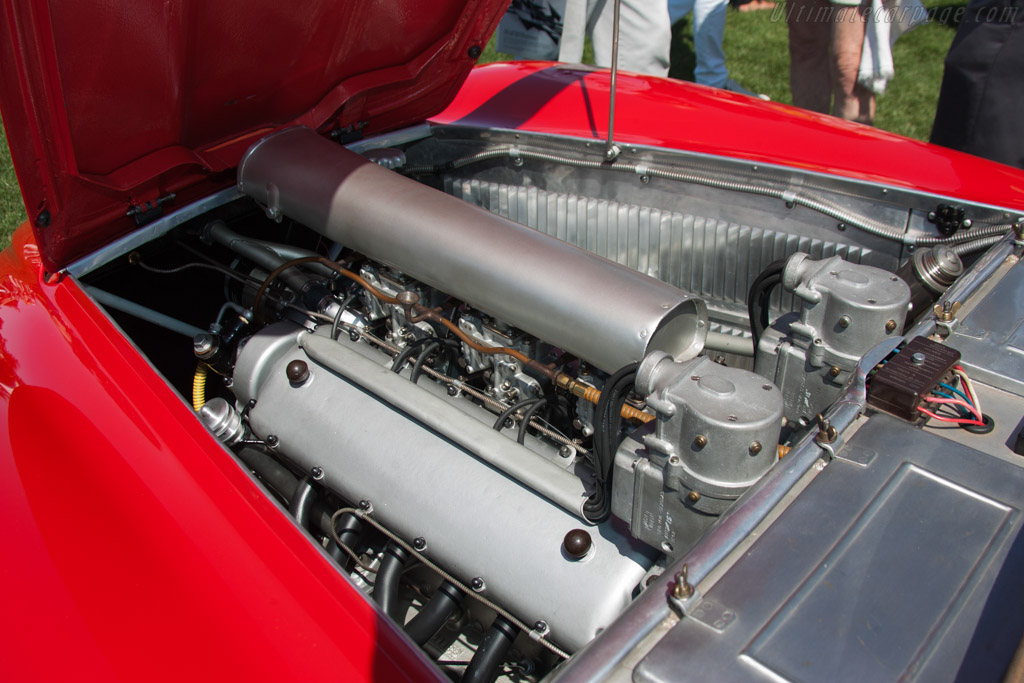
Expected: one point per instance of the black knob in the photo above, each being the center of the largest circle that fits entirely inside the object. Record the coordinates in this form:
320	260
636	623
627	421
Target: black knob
577	543
297	371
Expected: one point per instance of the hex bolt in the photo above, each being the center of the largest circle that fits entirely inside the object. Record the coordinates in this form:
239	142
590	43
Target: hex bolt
700	441
477	584
419	543
890	326
844	322
541	627
834	371
452	390
204	345
755	448
693	496
272	440
317	472
566	451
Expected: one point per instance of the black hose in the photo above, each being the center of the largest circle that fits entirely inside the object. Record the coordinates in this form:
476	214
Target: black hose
302	502
275	475
348	529
499	424
389	574
417	367
435	613
759	297
483	668
527	416
608	424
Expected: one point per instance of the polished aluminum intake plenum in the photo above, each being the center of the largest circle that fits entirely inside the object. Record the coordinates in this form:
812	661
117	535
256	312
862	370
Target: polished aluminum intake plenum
604	313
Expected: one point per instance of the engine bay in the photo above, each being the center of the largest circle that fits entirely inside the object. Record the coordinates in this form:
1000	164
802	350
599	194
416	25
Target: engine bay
507	388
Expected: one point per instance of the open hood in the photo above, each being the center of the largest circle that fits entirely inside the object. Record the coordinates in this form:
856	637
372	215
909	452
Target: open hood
111	107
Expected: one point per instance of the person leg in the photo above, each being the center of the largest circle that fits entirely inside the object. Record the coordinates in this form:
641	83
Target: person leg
645	35
708	30
852	101
809	33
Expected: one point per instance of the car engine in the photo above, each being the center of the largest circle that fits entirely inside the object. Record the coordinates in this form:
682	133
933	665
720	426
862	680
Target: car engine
501	408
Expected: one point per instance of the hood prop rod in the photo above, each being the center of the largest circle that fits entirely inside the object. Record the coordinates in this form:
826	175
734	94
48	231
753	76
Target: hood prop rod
611	150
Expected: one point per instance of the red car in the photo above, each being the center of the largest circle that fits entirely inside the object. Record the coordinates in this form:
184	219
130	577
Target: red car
326	356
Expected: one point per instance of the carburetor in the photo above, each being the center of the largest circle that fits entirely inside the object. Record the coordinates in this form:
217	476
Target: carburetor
847	309
716	434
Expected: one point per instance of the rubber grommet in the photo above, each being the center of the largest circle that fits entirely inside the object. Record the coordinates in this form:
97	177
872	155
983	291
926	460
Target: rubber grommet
989	425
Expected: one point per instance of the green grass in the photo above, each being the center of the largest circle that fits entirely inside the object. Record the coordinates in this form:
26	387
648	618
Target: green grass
756	46
12	209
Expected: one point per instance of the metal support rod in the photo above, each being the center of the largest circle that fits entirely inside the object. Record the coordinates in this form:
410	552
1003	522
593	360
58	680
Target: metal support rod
611	150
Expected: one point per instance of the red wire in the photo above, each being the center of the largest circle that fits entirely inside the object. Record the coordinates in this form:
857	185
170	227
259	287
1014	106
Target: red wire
940	418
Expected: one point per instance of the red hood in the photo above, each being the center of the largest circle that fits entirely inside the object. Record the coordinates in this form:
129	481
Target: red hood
108	104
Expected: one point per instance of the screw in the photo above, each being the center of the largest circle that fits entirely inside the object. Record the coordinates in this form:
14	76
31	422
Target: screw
453	390
844	322
682	588
272	440
834	371
474	52
918	359
693	496
506	385
541	626
419	543
755	448
700	441
890	326
966	223
477	584
365	505
317	472
566	451
674	460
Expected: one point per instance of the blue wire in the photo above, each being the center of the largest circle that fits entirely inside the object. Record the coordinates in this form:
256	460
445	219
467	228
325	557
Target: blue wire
954	389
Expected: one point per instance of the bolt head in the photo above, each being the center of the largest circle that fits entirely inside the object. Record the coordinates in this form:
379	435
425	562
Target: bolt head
419	543
755	447
834	371
890	326
317	472
693	496
452	390
700	441
844	321
477	584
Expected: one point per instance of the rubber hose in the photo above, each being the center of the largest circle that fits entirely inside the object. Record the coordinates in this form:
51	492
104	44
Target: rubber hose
302	502
438	609
527	416
199	387
275	475
348	530
389	574
483	668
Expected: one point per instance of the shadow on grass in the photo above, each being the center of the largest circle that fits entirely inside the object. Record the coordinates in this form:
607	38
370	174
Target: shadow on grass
682	56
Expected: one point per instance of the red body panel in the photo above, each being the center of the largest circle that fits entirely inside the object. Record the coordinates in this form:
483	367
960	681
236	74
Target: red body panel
547	98
137	549
109	105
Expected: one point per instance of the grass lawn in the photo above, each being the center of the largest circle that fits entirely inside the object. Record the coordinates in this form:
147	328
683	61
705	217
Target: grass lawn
756	45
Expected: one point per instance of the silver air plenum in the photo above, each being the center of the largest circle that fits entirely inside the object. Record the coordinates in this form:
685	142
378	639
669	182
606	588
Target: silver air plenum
604	313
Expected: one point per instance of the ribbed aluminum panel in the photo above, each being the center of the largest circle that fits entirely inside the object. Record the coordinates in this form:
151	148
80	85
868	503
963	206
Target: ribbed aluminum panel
709	258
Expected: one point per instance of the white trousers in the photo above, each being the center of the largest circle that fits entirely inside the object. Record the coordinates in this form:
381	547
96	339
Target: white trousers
645	34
